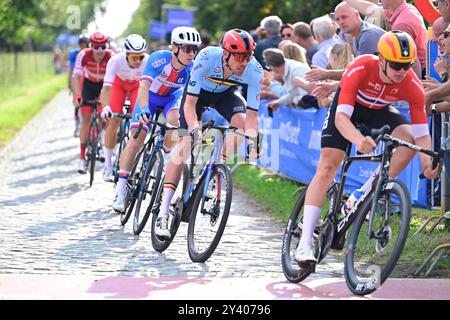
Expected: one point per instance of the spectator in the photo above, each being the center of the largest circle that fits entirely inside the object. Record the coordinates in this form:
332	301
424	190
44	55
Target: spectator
287	31
288	70
303	36
272	26
282	43
402	17
439	27
340	56
365	35
295	52
443	6
323	32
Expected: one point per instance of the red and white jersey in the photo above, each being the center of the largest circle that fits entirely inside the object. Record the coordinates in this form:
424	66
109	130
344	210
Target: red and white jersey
361	84
118	66
93	70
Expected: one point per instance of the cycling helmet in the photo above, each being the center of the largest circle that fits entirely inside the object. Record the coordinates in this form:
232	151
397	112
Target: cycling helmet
397	46
98	38
83	39
185	35
238	41
134	43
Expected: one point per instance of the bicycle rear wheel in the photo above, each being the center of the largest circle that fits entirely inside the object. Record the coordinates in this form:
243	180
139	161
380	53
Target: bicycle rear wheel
148	189
210	213
92	147
292	271
370	260
119	149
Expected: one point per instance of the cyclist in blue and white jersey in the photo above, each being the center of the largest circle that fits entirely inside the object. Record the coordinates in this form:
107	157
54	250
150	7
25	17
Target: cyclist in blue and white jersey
217	79
165	75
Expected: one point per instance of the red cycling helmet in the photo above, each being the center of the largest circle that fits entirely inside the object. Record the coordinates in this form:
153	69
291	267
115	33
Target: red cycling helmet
98	38
238	41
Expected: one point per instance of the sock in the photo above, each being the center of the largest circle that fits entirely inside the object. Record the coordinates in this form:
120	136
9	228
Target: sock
166	150
122	183
108	154
311	215
169	190
83	151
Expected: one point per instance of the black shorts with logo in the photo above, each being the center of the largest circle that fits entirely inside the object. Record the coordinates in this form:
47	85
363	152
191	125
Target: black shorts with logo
369	118
91	91
227	103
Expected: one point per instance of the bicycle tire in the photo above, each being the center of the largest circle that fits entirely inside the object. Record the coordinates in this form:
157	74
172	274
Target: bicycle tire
359	244
93	136
156	159
292	271
161	244
131	190
121	146
200	199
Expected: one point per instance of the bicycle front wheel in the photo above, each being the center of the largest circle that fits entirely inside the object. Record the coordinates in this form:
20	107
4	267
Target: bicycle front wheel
370	260
292	234
148	190
210	213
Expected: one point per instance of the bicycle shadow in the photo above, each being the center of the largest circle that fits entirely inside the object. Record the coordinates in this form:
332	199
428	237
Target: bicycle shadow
330	289
140	288
54	163
38	154
42	179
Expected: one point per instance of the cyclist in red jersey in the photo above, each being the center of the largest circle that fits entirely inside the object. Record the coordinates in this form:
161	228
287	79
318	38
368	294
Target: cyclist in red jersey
92	63
365	94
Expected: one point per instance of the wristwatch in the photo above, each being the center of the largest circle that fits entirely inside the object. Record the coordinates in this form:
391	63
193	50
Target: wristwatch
433	108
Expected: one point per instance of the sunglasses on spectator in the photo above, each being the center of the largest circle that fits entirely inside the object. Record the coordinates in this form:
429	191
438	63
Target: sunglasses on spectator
241	57
397	66
286	35
446	34
189	48
99	46
136	57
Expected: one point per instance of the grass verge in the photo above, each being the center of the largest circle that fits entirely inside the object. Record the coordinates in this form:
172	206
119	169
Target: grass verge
276	195
22	103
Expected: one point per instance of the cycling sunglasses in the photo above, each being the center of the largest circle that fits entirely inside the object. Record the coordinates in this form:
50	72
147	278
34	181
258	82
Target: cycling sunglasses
189	48
397	66
136	57
99	47
241	57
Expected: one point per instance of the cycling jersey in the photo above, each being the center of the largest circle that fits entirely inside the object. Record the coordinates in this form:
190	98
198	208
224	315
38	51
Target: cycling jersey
166	85
93	70
361	84
73	57
118	66
207	74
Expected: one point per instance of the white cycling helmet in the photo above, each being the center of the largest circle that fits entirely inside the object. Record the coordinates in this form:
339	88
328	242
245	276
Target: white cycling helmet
185	35
134	43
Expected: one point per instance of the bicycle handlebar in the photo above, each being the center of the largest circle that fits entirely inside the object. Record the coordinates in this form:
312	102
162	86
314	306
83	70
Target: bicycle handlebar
122	116
159	124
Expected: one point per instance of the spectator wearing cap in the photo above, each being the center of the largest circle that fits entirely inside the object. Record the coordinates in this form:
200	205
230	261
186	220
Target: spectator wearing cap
272	27
324	34
289	70
303	36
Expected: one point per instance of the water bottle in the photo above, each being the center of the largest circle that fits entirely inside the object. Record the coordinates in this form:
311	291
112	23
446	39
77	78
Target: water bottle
346	208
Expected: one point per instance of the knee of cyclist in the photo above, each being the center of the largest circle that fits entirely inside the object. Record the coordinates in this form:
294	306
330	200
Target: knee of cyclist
326	172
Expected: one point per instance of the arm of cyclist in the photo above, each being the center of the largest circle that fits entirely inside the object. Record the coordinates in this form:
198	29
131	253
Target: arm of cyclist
426	160
76	79
142	100
364	144
105	101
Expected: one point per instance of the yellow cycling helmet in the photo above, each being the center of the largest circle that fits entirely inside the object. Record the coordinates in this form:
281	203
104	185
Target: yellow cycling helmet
397	46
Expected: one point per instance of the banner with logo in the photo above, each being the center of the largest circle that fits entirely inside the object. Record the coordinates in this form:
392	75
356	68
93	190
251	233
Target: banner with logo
157	30
176	18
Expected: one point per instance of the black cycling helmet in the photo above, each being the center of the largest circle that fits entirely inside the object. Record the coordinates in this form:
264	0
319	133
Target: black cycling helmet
83	39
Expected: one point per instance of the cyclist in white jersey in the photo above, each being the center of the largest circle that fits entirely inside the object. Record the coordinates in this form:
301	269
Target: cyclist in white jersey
123	73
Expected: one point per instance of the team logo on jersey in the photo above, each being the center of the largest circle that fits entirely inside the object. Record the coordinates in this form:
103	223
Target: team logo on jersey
376	86
217	70
158	63
197	67
258	97
163	74
394	91
180	80
192	83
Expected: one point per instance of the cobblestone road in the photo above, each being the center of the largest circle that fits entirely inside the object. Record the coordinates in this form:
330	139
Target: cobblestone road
52	223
